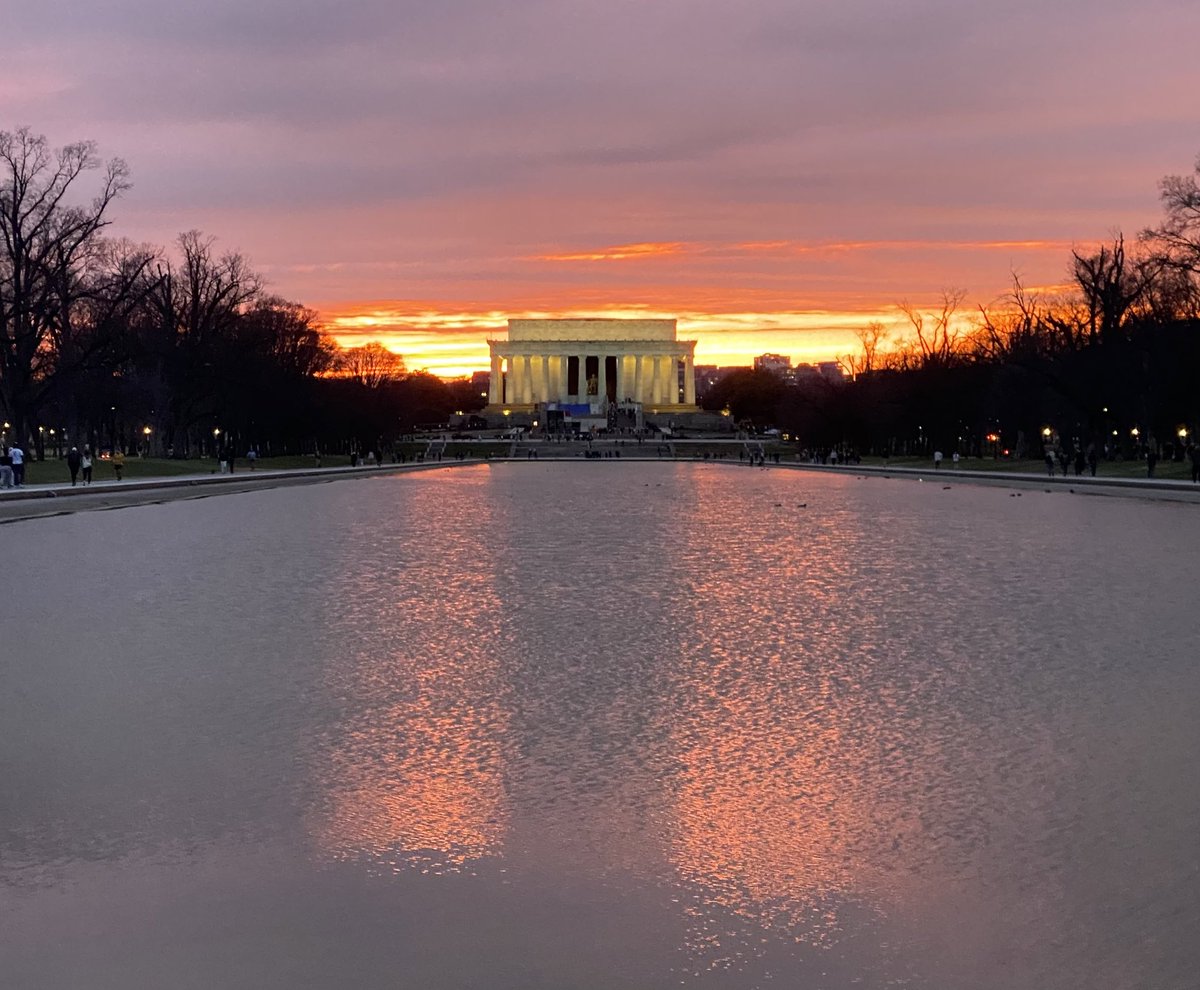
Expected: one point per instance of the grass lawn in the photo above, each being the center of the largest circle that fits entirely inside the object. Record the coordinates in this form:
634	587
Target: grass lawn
54	471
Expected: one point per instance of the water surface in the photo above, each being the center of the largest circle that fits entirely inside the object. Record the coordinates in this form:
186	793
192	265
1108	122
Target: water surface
602	725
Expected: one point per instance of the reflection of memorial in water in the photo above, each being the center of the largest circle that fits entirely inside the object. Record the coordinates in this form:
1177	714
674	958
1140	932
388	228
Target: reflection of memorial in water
414	773
779	803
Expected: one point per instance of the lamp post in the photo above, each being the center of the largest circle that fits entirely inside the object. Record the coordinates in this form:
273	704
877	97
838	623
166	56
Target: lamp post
146	431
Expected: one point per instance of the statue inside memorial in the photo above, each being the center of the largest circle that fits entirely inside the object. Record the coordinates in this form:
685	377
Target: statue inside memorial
593	385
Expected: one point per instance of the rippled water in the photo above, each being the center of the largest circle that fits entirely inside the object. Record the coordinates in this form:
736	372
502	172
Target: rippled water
603	725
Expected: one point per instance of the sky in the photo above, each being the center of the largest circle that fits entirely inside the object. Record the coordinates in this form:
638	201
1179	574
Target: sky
772	173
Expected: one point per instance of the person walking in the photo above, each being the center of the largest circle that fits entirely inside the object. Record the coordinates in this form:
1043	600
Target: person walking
18	464
1194	457
6	471
85	464
73	462
118	462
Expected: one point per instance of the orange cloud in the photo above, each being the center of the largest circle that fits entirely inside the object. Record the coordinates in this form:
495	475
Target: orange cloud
621	252
836	247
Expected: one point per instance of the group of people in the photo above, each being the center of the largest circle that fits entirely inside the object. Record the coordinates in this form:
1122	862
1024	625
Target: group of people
12	466
79	463
1081	459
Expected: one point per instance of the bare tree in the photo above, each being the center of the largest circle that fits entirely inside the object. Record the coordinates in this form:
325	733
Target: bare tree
872	339
1025	325
936	337
196	303
45	243
371	364
290	336
1111	285
1177	238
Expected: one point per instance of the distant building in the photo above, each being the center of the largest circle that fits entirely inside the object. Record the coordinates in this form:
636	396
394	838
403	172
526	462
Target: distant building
707	377
806	374
825	372
480	382
776	364
832	372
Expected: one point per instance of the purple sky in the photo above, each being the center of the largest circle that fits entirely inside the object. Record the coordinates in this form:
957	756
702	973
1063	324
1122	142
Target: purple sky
419	171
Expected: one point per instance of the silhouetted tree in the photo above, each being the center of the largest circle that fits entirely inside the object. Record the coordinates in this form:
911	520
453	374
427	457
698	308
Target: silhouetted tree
45	246
372	365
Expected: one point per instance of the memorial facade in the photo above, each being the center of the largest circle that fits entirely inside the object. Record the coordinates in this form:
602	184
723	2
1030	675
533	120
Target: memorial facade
592	362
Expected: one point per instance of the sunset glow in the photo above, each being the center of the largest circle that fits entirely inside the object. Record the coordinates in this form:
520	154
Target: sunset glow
455	344
778	304
420	178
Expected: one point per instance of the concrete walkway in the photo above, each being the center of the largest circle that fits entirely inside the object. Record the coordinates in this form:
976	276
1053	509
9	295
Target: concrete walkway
33	501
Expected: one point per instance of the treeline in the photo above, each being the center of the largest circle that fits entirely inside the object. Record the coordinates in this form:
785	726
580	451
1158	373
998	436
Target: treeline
1112	361
176	351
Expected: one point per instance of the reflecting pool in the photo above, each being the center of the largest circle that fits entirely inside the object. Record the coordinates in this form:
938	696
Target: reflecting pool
603	725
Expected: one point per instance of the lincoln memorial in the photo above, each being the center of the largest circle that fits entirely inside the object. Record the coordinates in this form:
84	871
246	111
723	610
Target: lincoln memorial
592	362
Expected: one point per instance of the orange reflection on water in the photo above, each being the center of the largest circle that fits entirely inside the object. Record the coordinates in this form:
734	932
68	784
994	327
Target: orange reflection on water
415	773
776	802
763	817
441	802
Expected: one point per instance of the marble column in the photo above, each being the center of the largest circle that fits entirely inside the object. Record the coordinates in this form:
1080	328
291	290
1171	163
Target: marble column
495	382
601	377
689	379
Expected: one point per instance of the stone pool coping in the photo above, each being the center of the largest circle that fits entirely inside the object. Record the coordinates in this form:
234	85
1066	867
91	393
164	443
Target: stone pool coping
37	501
1143	488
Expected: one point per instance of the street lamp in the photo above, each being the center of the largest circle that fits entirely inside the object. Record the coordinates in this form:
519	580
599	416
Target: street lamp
146	431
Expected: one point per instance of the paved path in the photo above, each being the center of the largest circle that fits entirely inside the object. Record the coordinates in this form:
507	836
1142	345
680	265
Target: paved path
33	501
